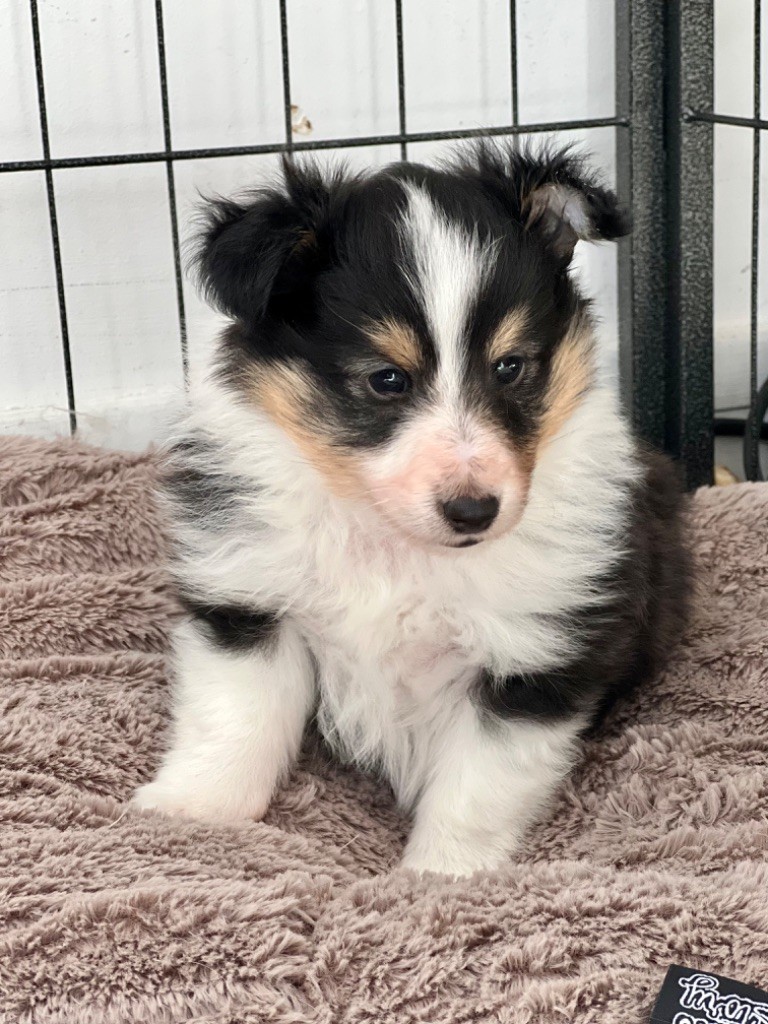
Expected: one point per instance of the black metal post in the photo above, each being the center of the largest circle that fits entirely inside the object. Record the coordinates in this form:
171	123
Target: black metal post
664	61
641	182
752	428
689	336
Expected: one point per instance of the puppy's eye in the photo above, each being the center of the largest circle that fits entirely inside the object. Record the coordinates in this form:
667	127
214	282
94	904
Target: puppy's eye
389	383
508	369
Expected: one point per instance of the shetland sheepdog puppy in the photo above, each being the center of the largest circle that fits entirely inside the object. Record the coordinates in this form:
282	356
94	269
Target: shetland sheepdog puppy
404	504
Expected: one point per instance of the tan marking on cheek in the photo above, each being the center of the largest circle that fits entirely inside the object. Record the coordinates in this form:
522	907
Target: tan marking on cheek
396	342
526	460
571	377
285	393
509	336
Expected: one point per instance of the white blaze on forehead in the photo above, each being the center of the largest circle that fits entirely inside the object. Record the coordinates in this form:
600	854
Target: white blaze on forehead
449	268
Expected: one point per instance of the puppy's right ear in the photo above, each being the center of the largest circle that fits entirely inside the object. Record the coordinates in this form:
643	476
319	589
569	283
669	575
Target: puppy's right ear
256	253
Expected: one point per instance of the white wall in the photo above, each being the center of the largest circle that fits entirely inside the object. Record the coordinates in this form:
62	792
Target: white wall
226	89
734	77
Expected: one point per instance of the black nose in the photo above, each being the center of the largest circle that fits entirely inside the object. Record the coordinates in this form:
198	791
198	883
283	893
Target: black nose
471	515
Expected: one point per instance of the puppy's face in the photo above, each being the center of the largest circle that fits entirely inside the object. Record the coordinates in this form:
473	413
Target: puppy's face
415	333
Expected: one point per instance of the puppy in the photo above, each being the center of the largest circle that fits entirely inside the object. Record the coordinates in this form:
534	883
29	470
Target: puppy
404	503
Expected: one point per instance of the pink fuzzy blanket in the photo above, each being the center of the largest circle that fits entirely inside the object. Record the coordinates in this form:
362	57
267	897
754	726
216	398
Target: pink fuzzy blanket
657	852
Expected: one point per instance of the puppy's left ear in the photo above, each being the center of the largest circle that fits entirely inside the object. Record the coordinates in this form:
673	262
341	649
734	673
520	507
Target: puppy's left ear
563	203
552	194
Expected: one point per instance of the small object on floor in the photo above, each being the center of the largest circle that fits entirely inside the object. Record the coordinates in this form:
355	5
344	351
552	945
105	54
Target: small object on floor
689	996
724	477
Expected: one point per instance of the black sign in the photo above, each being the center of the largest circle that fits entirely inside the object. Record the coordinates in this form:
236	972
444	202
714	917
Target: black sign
696	997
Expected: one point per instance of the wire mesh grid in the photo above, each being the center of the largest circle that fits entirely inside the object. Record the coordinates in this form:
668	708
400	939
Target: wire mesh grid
753	428
665	341
169	155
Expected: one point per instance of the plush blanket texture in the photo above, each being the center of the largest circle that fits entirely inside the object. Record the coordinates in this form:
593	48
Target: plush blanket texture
657	852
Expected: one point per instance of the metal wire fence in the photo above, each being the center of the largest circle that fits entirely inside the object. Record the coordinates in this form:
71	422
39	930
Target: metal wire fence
663	125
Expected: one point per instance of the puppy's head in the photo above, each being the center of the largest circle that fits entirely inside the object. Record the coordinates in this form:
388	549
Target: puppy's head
415	332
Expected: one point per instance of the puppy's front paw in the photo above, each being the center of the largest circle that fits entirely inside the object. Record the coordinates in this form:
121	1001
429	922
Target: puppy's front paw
189	796
453	857
439	864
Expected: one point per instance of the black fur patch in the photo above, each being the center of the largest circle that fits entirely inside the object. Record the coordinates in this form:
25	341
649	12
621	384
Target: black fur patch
627	640
233	627
202	495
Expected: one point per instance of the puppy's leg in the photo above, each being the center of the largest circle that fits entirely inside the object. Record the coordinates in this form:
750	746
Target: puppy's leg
239	717
490	779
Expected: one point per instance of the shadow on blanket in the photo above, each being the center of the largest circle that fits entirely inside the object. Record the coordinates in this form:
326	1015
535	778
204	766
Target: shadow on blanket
657	852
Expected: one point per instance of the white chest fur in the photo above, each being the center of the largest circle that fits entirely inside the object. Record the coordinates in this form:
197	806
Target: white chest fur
391	661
